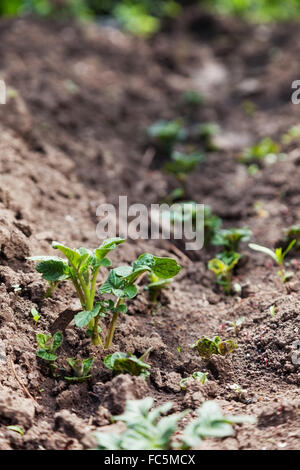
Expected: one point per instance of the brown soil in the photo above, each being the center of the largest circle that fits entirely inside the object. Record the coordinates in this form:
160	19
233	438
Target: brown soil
66	149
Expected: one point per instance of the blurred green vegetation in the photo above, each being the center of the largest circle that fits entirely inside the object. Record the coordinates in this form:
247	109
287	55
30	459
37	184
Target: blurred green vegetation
143	17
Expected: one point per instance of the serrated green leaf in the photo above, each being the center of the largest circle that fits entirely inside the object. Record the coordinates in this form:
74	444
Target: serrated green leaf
43	354
73	255
107	246
53	270
83	318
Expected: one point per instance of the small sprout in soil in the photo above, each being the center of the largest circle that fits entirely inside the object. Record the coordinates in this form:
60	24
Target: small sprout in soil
181	164
230	239
278	255
193	98
123	363
272	310
222	267
236	325
48	346
16	288
81	267
210	423
16	428
166	133
81	369
188	211
148	430
206	132
211	224
179	349
265	150
200	377
207	347
35	315
121	283
238	391
292	134
174	195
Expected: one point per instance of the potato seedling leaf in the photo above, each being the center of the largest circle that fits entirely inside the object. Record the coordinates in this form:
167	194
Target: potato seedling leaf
53	270
83	318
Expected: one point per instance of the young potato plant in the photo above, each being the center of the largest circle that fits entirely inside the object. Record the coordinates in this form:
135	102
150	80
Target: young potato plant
211	422
35	315
278	255
123	363
222	266
181	164
231	238
235	326
48	346
206	132
166	133
80	368
188	210
147	430
207	347
265	150
81	268
200	377
193	98
121	283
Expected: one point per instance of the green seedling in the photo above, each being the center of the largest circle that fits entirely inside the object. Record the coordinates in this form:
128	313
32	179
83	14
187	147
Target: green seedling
174	195
222	267
166	133
123	363
81	268
211	224
16	428
81	369
147	430
121	283
193	98
200	377
230	239
189	211
35	315
265	150
207	347
238	391
235	325
181	164
278	255
48	346
206	132
272	310
155	287
292	134
210	423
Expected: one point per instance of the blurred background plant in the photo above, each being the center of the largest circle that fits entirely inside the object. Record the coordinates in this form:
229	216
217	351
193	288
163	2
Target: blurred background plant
144	17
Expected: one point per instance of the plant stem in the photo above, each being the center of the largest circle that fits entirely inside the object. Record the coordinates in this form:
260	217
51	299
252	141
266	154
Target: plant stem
112	327
96	340
79	292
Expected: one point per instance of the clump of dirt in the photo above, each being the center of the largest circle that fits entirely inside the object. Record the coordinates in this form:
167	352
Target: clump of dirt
73	137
